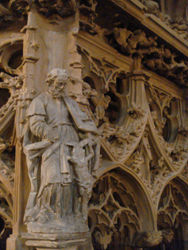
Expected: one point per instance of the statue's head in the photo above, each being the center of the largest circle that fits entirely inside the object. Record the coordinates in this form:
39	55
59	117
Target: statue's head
56	81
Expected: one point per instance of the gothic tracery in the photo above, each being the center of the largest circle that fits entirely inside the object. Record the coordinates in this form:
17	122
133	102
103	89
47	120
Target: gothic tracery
128	65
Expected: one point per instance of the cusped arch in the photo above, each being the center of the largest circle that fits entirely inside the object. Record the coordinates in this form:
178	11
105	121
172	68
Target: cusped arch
120	206
172	216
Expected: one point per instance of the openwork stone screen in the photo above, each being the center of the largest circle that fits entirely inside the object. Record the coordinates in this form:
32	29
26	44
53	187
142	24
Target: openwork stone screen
93	124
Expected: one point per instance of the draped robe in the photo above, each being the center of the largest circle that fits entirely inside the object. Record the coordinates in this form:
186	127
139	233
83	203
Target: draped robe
48	166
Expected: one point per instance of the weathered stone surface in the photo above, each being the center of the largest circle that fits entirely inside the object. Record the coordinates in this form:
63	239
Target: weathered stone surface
58	163
102	165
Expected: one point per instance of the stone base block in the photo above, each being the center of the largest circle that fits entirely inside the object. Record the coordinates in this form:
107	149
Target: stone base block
58	241
66	248
15	242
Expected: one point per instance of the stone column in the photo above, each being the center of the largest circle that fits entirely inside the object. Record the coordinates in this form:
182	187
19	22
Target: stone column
45	46
21	187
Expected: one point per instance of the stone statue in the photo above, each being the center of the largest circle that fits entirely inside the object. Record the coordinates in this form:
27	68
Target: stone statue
60	147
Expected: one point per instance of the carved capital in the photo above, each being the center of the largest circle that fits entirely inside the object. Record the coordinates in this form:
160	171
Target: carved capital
148	239
63	8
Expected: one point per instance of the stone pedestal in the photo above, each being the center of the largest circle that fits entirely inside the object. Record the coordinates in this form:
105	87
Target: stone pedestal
58	241
15	242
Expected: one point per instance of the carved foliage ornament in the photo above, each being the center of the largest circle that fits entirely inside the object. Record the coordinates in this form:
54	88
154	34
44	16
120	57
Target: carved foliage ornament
119	117
175	17
13	8
166	114
10	88
162	130
57	7
162	151
65	8
52	9
156	58
10	10
7	111
87	9
150	168
6	187
129	130
173	14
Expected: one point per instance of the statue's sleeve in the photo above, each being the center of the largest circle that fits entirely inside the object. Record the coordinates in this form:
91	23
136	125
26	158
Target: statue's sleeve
37	118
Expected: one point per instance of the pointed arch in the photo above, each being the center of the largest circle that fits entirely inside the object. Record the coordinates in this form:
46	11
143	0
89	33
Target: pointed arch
120	206
172	214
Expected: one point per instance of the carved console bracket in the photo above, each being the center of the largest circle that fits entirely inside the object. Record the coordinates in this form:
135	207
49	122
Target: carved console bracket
148	239
56	242
155	56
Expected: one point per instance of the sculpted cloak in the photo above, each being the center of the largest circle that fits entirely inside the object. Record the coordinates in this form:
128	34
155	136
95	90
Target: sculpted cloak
48	161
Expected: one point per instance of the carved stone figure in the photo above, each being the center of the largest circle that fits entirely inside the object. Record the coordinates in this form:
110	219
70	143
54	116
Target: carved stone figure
58	145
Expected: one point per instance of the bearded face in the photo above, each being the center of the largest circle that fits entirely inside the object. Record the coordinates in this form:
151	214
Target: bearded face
57	87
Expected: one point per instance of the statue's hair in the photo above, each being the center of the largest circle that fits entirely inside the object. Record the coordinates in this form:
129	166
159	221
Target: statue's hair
63	73
53	74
